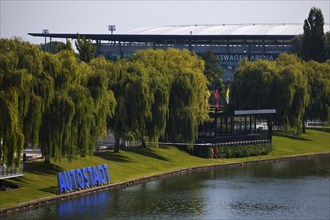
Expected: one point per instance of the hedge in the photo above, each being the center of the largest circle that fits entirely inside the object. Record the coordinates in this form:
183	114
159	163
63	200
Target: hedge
232	151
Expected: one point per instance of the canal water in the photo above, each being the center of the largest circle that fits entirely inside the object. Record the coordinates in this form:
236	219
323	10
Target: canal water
296	189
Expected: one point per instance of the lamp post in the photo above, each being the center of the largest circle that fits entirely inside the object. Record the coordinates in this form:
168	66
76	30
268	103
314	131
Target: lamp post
45	32
112	28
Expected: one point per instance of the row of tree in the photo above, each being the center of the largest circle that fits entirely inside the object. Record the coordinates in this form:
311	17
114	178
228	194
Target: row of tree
63	106
298	90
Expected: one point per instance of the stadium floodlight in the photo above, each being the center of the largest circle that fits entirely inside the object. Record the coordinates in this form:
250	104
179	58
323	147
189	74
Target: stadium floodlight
112	28
45	32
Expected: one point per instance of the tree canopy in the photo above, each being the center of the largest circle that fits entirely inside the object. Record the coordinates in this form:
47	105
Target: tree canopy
155	91
212	71
51	101
281	84
64	105
319	90
21	104
85	49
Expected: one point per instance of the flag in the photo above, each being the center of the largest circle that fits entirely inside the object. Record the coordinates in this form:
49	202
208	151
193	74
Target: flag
227	95
216	96
217	105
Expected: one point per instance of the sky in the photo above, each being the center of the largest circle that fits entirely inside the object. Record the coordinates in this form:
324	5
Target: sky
19	17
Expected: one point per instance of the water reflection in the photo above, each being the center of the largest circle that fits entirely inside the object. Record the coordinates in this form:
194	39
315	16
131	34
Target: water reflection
283	190
97	202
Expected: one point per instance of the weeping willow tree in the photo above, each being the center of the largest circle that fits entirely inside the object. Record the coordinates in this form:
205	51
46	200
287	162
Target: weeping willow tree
319	90
187	106
12	138
279	84
93	104
55	135
82	103
182	123
133	110
21	107
155	64
103	99
63	106
253	85
292	94
159	93
118	79
156	126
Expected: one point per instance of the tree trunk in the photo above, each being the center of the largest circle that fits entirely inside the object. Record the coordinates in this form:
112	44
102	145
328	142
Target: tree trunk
303	126
143	143
270	129
116	149
47	160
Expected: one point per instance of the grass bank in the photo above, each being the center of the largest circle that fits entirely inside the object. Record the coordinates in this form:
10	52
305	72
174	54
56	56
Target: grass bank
40	180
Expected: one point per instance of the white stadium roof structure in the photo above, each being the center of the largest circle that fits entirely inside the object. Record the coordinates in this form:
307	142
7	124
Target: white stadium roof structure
225	29
195	32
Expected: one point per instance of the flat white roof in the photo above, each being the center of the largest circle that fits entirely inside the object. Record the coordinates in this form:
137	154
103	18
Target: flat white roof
255	112
225	29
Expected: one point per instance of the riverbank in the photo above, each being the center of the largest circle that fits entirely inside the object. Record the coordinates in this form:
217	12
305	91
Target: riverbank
132	167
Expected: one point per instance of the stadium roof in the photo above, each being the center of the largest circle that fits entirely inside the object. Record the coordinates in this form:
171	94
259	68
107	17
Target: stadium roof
225	29
196	32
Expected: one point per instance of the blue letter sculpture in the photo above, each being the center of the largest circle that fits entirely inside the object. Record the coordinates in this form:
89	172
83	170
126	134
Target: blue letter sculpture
83	178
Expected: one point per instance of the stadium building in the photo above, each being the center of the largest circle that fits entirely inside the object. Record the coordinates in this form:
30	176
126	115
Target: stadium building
230	43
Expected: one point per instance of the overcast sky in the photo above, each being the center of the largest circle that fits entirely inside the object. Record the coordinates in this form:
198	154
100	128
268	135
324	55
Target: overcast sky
19	17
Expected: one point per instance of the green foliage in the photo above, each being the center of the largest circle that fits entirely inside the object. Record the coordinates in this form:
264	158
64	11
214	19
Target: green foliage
313	39
319	90
327	46
314	44
232	151
187	106
85	49
159	94
20	103
182	123
201	151
242	151
53	47
213	72
281	84
291	89
51	101
296	45
63	106
252	85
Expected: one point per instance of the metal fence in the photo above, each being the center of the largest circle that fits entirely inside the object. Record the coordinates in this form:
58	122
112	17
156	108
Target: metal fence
10	172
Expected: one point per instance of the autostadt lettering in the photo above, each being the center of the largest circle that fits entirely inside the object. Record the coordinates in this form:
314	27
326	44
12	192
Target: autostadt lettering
237	57
86	177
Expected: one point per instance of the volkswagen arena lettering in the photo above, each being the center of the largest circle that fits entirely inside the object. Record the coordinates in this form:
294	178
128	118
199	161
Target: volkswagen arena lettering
251	57
86	177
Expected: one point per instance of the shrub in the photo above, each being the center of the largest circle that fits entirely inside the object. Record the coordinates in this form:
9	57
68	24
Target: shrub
232	151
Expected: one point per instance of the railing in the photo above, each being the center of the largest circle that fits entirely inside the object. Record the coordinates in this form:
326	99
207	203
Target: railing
242	142
10	172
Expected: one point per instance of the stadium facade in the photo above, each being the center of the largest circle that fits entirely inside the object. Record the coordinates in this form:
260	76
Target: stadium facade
230	43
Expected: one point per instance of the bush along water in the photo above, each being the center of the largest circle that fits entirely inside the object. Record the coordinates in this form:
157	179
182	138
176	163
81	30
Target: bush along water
232	151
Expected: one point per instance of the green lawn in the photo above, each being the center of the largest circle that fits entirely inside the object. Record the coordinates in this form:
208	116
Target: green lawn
40	180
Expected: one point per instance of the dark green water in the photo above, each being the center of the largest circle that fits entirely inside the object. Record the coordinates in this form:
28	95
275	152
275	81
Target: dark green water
297	189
